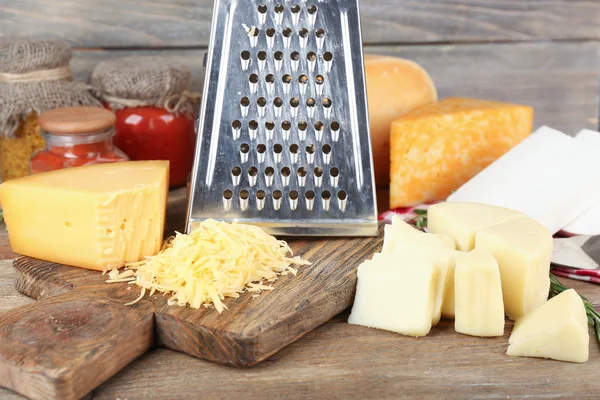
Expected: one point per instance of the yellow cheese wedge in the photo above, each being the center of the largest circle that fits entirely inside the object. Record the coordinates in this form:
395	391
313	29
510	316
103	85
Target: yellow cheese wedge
436	148
96	217
523	248
460	221
442	259
399	233
478	295
395	299
557	329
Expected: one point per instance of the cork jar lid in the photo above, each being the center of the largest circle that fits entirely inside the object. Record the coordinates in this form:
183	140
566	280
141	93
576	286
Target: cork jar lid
74	120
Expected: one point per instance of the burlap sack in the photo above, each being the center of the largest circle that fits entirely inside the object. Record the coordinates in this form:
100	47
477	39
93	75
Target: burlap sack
144	81
35	76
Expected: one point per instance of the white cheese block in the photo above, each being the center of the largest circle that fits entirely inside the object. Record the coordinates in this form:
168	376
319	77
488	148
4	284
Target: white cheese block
478	295
522	248
587	223
549	176
398	233
395	299
460	220
558	330
442	259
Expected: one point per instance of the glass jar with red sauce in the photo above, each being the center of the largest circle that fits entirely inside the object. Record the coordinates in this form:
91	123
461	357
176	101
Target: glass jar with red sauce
76	136
153	133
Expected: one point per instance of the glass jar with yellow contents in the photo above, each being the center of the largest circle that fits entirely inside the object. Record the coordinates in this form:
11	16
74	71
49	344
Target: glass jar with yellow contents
34	77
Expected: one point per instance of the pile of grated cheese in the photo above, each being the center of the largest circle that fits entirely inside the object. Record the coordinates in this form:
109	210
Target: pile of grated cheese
215	261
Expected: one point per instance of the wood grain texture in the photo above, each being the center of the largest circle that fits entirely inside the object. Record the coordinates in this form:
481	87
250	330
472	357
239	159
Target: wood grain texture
81	332
559	80
179	23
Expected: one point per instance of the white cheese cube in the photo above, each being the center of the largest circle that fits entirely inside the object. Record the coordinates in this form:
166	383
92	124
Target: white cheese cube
442	259
557	329
549	176
478	295
395	299
399	232
460	220
522	248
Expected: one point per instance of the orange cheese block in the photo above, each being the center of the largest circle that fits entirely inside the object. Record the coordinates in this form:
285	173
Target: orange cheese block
437	148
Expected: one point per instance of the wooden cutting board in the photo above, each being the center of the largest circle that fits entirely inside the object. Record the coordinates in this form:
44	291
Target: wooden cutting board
80	333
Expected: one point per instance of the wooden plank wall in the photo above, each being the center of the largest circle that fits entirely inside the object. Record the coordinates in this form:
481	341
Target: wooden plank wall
544	53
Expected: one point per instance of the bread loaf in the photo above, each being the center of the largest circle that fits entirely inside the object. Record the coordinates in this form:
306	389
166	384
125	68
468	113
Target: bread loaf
395	86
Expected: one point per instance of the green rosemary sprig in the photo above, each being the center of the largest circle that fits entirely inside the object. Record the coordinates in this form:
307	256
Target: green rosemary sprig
420	221
593	316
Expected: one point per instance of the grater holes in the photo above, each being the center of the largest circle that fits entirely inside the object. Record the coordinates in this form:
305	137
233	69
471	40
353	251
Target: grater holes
335	126
301	172
270	78
327	107
312	56
327	56
253	125
270	32
312	9
279	8
334	176
252	129
262	8
319	80
310	149
285	175
236	173
342	199
326	102
261	148
236	127
277	195
269	126
320	33
277	150
261	102
303	79
293	196
252	175
302	125
244	150
319	126
262	56
310	102
326	199
294	102
227	194
278	55
245	101
295	56
260	199
287	32
286	125
295	8
269	173
303	33
244	196
277	102
286	79
326	149
318	171
245	55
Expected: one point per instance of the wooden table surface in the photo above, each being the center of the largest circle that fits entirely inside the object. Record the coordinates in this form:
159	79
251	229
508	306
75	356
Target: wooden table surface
338	360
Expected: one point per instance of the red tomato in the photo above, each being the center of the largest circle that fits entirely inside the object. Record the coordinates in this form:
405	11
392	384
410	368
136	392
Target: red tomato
152	133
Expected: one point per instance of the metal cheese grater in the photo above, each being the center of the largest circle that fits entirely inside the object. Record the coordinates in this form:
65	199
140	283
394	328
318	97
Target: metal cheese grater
283	132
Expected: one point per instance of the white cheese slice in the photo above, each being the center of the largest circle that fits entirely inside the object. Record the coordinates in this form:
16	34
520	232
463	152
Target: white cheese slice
399	233
478	295
395	299
522	248
549	176
587	223
442	259
558	330
460	220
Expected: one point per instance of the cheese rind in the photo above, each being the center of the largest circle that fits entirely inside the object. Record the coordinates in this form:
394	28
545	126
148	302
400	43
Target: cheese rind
461	220
522	248
395	299
479	309
96	217
557	329
438	147
399	234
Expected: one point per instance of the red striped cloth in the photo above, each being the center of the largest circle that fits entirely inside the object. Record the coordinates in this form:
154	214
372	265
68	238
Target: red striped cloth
588	275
